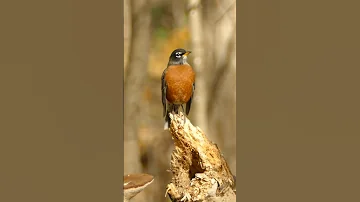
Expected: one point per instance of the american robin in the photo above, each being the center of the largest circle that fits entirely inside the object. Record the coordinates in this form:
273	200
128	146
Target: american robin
177	85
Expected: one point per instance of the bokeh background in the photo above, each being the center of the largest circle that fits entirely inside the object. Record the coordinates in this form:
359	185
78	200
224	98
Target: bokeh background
152	30
61	100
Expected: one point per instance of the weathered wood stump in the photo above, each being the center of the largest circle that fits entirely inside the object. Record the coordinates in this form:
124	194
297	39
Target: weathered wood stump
200	172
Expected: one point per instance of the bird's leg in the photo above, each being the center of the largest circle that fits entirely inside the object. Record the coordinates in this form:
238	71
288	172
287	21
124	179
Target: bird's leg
173	110
182	107
176	109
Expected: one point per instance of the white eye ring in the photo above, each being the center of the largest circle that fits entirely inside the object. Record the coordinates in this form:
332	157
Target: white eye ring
178	55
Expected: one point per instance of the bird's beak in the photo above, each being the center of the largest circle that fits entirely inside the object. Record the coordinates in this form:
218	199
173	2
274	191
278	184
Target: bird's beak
187	53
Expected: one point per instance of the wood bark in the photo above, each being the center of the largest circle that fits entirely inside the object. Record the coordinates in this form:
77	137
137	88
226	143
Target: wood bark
200	172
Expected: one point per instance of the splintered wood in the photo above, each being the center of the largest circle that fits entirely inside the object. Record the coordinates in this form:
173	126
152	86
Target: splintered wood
200	172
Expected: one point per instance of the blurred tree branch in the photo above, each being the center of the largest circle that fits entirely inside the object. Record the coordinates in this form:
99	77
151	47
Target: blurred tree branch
225	13
178	8
220	72
219	32
127	33
197	35
136	75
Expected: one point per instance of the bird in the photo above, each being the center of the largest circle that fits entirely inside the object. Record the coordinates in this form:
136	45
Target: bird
177	85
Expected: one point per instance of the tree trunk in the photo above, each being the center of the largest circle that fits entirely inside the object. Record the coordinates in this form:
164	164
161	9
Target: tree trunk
127	33
136	75
200	96
221	34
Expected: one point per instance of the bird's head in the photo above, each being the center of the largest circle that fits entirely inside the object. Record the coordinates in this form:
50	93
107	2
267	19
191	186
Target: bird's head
178	56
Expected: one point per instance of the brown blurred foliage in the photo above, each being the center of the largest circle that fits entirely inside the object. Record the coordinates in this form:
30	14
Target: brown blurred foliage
173	26
178	37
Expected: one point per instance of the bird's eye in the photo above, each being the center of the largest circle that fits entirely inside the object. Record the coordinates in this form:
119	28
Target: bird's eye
178	55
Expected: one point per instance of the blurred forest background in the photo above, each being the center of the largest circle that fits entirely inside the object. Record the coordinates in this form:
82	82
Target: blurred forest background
153	29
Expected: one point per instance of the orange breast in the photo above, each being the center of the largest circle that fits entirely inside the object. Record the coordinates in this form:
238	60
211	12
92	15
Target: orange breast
179	80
